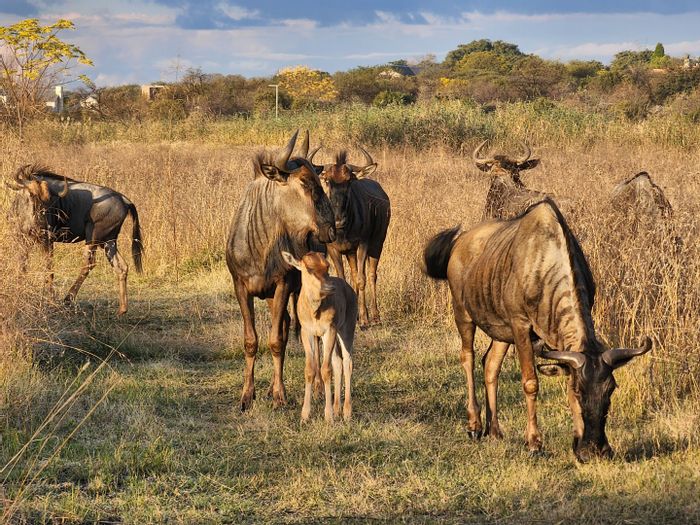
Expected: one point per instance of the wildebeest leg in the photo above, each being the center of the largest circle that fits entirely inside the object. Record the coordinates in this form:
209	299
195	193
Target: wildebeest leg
526	356
328	350
372	264
466	329
310	344
575	412
47	248
492	361
361	260
121	269
89	256
279	333
337	260
250	343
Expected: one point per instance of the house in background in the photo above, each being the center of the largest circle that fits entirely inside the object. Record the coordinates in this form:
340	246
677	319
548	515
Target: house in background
151	91
56	104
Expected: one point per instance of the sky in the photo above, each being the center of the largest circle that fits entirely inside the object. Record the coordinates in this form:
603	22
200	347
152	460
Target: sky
140	41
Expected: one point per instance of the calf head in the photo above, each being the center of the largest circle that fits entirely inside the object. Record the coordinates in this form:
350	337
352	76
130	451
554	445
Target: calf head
337	179
314	273
302	206
34	198
592	384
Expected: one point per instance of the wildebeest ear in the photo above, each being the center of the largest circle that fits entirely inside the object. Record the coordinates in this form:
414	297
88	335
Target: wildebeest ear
274	173
291	260
528	164
366	171
484	166
554	370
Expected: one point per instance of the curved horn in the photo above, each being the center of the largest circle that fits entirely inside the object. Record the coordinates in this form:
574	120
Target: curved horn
281	161
64	192
368	160
475	154
573	359
305	145
526	153
13	185
619	356
310	156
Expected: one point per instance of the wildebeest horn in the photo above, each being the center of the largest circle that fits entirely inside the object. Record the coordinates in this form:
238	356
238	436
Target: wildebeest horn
305	145
64	192
619	356
368	160
310	156
281	162
475	154
573	359
17	183
526	153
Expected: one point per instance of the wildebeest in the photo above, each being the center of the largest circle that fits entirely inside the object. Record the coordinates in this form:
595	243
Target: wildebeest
283	209
507	195
641	201
50	208
362	213
327	310
526	281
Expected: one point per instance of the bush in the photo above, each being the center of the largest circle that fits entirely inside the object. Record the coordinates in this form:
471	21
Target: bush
393	98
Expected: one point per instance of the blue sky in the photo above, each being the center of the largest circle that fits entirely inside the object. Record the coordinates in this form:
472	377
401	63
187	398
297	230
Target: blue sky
136	41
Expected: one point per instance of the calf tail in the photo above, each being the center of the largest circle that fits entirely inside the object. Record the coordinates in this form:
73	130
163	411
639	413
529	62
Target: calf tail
136	239
437	253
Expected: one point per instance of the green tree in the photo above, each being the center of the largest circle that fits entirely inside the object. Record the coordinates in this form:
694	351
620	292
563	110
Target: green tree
659	60
499	47
626	59
32	60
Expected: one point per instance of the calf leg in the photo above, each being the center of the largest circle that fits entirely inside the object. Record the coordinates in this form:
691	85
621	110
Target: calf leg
310	370
337	361
250	343
345	344
328	349
89	264
121	269
466	329
530	384
372	264
492	361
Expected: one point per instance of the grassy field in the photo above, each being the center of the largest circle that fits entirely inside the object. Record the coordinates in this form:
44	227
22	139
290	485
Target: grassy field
135	420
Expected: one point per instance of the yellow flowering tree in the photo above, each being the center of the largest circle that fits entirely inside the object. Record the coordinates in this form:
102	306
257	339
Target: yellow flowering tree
307	86
32	60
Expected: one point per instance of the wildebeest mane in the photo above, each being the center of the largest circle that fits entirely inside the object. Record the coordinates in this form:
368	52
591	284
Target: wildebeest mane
29	171
341	157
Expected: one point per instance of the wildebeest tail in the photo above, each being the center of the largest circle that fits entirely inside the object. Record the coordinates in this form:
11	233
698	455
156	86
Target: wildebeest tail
437	253
136	239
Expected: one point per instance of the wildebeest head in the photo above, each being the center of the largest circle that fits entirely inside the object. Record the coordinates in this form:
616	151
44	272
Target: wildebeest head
314	272
34	197
303	206
592	385
640	197
503	166
337	179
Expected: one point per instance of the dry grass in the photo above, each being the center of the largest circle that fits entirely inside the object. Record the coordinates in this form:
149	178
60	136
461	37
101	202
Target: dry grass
168	445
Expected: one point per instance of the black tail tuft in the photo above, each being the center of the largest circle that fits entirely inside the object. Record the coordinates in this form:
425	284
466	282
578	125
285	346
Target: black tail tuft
437	253
136	239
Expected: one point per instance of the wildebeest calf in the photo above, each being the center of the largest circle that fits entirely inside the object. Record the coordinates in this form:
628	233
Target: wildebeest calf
327	310
49	208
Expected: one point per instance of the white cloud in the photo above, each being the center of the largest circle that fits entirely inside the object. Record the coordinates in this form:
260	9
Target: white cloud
236	12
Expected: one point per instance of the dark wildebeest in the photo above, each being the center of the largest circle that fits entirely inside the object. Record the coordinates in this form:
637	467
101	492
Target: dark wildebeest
284	209
641	201
507	195
50	208
362	213
525	281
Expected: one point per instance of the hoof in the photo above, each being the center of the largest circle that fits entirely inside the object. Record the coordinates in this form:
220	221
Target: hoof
474	435
247	400
67	300
121	312
279	398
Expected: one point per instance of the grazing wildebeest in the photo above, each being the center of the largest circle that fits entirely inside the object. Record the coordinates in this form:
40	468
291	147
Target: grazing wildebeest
284	209
327	310
362	213
507	195
50	208
525	281
641	201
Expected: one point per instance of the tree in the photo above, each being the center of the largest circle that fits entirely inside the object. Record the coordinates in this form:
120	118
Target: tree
32	60
626	59
499	47
659	60
307	86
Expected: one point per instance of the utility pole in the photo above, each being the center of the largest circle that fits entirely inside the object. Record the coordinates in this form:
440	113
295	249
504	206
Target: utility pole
277	97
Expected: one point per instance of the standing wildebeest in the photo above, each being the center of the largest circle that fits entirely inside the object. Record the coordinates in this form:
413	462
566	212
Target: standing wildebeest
362	212
284	209
526	281
640	200
507	195
50	208
327	310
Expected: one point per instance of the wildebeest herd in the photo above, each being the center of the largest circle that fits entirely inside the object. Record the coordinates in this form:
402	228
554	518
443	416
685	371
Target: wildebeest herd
520	275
